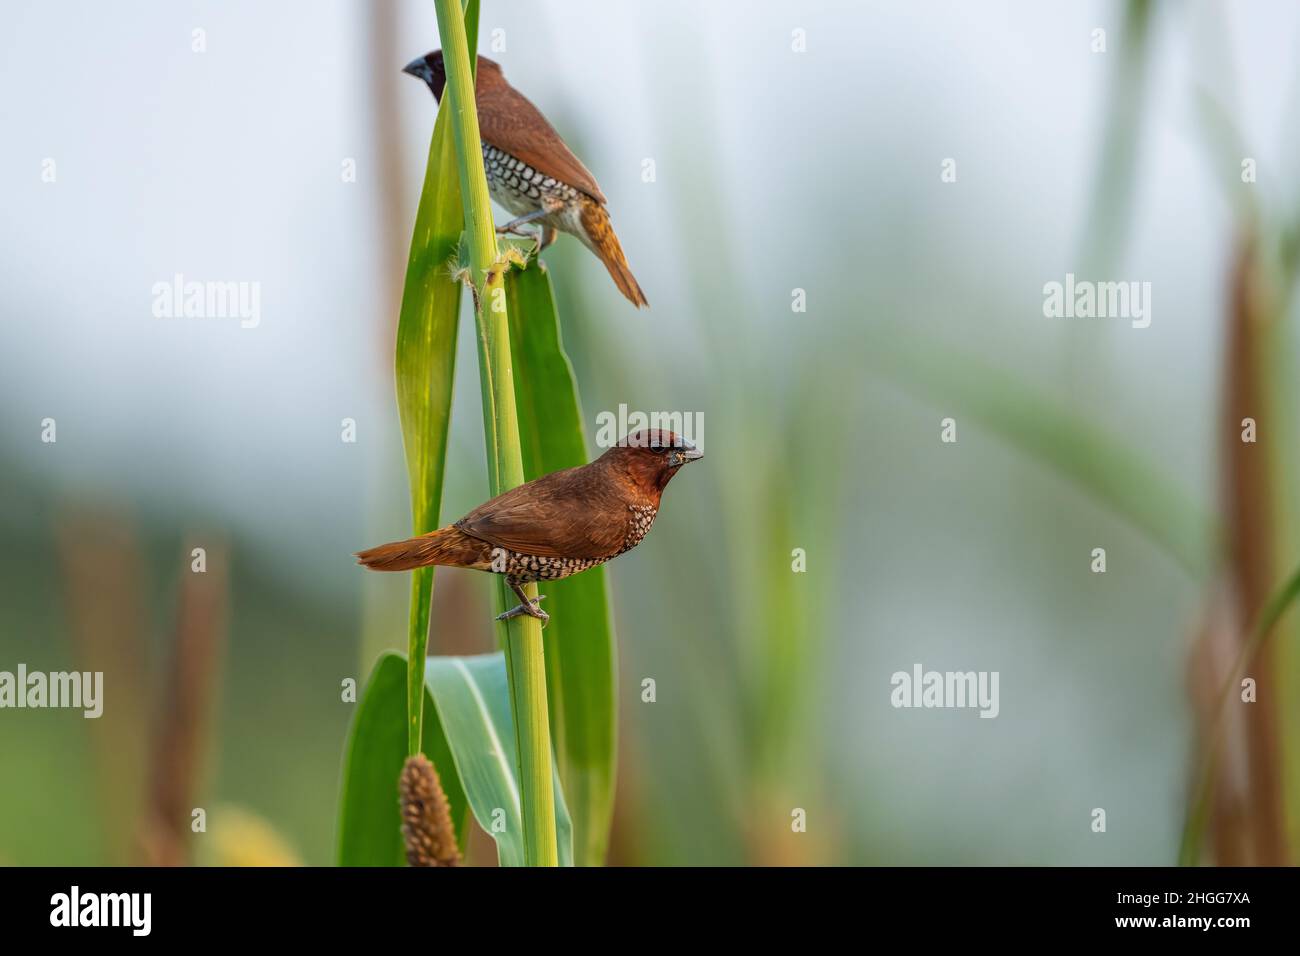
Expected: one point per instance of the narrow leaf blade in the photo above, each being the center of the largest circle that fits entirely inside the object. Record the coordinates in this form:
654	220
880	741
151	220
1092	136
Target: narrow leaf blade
425	371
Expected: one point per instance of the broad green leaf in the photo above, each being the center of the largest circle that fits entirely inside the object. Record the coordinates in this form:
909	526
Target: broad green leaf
472	698
369	832
425	370
580	651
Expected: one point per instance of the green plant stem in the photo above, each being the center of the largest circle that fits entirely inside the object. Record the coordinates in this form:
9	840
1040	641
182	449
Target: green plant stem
417	646
523	644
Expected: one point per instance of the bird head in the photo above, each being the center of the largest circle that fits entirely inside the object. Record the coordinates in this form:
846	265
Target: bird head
653	455
431	69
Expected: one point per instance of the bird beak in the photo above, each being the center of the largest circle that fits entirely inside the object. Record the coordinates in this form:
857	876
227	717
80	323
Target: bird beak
687	454
416	68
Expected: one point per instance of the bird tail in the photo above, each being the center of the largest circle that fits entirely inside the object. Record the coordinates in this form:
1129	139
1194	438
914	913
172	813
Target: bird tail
447	546
598	234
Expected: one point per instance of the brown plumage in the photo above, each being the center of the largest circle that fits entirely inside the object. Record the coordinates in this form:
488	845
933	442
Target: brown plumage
532	172
556	525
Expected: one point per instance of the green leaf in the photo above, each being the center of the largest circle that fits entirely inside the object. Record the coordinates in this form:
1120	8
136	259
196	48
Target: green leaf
472	699
425	372
468	736
369	830
580	660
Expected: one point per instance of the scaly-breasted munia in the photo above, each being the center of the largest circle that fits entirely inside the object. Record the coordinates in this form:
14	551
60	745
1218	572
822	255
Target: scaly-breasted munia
556	525
530	170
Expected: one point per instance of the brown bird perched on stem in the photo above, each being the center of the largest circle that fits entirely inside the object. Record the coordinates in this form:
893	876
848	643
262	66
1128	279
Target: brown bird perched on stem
530	170
556	525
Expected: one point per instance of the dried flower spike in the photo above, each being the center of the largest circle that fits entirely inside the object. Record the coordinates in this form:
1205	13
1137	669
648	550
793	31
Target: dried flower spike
426	817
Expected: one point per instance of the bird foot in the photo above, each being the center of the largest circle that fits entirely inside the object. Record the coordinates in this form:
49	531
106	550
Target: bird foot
549	208
543	236
530	609
511	229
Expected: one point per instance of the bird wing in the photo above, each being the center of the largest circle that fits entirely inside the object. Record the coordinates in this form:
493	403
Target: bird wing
566	514
508	121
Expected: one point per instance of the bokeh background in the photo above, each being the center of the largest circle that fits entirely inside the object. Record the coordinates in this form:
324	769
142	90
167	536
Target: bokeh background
776	169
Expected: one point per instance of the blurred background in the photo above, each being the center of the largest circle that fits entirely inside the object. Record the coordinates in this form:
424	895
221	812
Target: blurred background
797	154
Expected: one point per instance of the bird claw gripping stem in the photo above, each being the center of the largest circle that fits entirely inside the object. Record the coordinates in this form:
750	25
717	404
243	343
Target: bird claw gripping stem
529	608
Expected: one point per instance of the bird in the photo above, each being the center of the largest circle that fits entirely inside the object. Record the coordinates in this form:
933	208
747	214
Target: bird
553	526
531	172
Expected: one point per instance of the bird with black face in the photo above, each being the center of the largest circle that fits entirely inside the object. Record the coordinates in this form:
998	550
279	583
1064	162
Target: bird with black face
531	172
554	526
